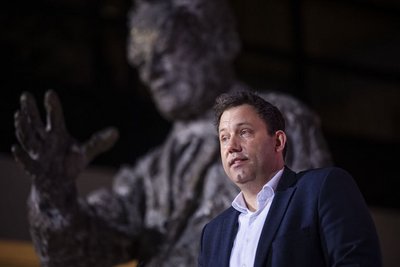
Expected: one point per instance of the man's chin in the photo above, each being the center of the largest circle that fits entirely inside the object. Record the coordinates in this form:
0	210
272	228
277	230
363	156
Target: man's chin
241	179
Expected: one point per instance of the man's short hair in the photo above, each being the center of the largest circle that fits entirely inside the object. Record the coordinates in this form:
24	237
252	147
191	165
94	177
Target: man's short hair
271	115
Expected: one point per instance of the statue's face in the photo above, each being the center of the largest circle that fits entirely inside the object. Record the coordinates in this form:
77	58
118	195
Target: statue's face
181	73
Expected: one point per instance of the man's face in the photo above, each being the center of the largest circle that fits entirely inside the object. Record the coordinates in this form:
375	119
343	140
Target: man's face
249	154
181	75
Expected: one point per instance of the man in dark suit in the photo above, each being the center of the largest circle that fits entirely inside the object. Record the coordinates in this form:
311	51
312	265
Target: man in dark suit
282	218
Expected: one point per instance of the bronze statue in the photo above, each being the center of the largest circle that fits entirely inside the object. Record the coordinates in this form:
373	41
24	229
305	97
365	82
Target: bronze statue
157	208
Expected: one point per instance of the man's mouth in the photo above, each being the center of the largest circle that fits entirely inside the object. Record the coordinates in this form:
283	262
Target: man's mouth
159	86
236	161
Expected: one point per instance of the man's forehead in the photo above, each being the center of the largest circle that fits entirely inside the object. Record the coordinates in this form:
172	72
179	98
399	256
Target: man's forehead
233	117
144	36
242	110
147	21
238	116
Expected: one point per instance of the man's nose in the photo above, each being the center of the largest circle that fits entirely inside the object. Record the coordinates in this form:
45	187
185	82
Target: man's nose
233	145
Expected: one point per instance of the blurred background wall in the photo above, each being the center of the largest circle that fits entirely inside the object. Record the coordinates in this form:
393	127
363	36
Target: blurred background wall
342	58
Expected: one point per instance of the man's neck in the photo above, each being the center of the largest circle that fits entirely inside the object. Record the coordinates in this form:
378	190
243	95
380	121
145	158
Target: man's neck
251	191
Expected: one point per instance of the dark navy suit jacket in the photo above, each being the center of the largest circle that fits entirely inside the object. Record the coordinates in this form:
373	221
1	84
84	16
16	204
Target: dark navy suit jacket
317	218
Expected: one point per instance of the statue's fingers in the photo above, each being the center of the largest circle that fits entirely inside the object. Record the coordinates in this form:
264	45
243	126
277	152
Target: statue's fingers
30	111
101	142
55	116
24	159
26	134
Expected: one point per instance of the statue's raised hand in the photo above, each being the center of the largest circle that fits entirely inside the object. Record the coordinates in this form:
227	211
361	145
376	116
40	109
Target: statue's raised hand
50	155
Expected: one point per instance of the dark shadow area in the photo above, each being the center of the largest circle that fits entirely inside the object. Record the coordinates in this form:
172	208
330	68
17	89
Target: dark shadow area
340	57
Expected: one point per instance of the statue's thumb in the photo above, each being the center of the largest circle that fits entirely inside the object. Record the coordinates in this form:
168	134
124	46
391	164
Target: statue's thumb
101	142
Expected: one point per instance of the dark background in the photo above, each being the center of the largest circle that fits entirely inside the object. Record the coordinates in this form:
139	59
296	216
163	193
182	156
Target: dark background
342	58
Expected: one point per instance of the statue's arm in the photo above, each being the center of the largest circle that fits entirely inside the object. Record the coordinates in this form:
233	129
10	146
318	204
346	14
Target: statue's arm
67	231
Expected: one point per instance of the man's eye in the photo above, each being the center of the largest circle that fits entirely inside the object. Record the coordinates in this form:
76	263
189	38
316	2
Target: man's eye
244	132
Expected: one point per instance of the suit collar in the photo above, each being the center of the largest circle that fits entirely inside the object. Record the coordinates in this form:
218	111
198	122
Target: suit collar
288	179
278	209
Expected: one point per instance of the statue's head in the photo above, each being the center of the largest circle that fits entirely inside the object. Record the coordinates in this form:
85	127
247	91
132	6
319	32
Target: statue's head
183	50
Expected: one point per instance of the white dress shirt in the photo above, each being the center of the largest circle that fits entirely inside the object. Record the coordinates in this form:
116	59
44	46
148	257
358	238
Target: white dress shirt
251	224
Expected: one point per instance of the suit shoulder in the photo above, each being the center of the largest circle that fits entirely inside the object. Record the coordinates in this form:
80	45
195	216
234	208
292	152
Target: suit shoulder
324	172
322	175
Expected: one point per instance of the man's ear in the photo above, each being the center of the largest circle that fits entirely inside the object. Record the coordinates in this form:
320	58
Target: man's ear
280	140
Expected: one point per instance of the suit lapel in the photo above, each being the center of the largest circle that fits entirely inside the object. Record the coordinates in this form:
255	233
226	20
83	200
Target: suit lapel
228	235
278	209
